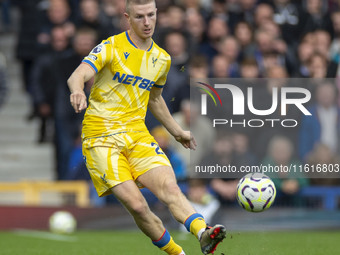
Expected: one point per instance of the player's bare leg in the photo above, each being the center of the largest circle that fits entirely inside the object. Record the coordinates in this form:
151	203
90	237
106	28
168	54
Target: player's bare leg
162	182
131	197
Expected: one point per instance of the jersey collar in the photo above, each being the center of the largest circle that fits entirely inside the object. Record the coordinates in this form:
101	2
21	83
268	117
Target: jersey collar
135	45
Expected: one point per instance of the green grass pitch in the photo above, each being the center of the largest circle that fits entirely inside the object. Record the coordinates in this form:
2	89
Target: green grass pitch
134	243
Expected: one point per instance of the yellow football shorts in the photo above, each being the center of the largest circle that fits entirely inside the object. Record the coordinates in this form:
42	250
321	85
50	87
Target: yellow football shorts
120	157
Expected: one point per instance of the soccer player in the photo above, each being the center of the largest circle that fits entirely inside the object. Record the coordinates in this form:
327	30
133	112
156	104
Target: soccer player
130	71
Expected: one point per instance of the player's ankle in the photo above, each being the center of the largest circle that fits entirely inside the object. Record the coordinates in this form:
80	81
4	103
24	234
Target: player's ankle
200	232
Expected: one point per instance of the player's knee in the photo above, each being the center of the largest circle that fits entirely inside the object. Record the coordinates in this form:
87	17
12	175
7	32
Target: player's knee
139	208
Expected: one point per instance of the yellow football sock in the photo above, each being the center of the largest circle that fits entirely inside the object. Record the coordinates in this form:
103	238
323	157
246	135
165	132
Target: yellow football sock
172	248
167	244
195	223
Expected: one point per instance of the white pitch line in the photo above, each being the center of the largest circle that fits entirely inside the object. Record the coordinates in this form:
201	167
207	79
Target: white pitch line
45	235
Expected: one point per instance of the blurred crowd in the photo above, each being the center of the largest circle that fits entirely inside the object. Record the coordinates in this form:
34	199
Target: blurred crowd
206	39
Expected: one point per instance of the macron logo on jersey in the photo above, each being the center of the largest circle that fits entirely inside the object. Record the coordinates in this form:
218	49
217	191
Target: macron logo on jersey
129	79
126	54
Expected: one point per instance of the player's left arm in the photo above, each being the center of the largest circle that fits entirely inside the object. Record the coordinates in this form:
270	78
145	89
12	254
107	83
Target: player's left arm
161	112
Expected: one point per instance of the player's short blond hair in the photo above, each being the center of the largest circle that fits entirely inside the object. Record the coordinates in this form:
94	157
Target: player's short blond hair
139	2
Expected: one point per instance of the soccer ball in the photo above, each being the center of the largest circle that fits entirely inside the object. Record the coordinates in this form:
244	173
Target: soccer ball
62	222
256	192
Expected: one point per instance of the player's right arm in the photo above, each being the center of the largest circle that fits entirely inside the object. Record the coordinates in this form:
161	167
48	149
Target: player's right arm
101	55
76	82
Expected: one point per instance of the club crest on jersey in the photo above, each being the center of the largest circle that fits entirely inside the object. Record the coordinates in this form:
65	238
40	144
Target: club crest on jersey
97	49
126	54
154	60
104	178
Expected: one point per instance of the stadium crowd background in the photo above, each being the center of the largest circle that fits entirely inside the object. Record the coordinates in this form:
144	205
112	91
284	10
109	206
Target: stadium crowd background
207	38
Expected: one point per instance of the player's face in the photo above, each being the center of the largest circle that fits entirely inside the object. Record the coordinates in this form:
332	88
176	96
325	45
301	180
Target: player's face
142	19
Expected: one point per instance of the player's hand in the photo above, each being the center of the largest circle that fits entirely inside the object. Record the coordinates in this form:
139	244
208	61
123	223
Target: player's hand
187	140
78	101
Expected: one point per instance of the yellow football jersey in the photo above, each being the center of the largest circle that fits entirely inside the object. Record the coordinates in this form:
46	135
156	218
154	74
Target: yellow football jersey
120	93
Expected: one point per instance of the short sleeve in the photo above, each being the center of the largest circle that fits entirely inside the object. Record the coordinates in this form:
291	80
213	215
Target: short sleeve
100	55
162	79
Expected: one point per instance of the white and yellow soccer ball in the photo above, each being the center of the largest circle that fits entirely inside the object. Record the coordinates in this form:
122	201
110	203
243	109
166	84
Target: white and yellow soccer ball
62	222
256	192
